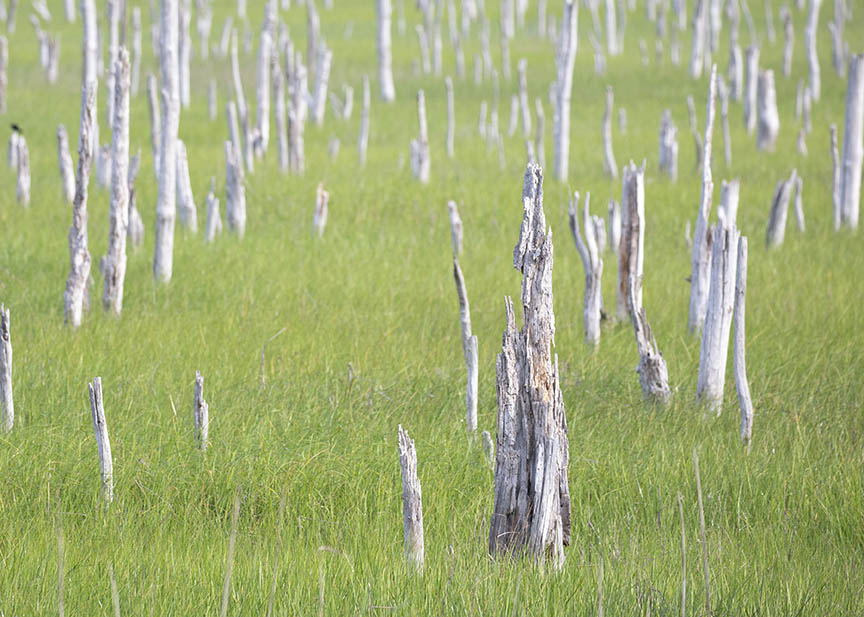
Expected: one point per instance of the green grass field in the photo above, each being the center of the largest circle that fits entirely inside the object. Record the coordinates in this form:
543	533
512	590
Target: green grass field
785	523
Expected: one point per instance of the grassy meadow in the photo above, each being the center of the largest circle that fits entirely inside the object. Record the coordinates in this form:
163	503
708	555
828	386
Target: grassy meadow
369	339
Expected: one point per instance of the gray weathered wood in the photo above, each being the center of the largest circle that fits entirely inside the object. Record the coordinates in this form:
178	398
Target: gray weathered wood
853	143
700	261
718	318
564	63
767	117
591	264
723	94
776	230
456	231
279	115
385	54
814	82
751	88
322	78
235	191
322	199
532	498
7	406
668	146
610	167
213	226
472	364
727	211
297	118
799	203
698	47
103	445
22	163
79	256
412	501
186	210
265	53
835	179
67	175
200	413
739	361
420	164
788	40
155	121
114	264
614	226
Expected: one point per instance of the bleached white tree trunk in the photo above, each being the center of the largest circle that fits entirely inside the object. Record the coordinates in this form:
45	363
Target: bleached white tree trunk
136	50
718	318
166	204
697	49
322	199
668	149
114	264
186	210
113	11
564	62
776	230
610	167
412	501
297	118
835	179
591	264
22	188
385	54
200	413
7	406
723	93
451	117
532	498
79	256
614	225
630	246
420	163
213	227
265	53
789	40
279	113
235	191
735	73
768	118
853	143
67	176
694	131
135	229
469	346
814	82
69	10
225	38
751	89
322	77
727	211
611	28
523	98
363	140
456	230
184	53
155	121
701	256
739	361
799	203
103	445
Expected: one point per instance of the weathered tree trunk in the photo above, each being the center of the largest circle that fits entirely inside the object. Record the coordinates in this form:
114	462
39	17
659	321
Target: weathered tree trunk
810	30
114	268
630	246
279	113
514	115
67	176
697	49
723	93
420	164
591	264
69	10
79	256
225	39
668	148
451	117
718	318
155	121
532	497
523	98
735	73
363	140
727	211
135	229
7	407
265	53
469	347
319	221
204	24
776	230
853	143
233	125
610	167
297	119
113	13
184	52
136	50
322	77
22	189
564	62
412	501
701	257
835	179
235	191
789	40
611	28
166	204
739	362
186	210
751	89
768	118
455	228
385	54
799	203
214	220
614	224
200	413
103	445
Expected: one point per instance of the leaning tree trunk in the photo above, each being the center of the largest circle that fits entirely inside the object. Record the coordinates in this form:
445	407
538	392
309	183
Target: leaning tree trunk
853	143
739	362
385	57
776	230
412	501
79	256
469	347
532	496
565	60
7	408
114	268
166	204
718	319
103	445
701	257
455	228
591	264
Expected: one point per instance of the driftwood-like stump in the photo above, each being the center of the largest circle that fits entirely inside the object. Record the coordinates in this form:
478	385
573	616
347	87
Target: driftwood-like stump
7	407
322	198
668	146
103	445
385	54
700	261
767	117
591	264
114	264
456	231
64	159
718	318
265	54
610	167
853	144
814	82
420	164
532	497
200	413
751	88
739	362
412	501
469	347
297	118
235	191
79	255
186	210
564	63
776	230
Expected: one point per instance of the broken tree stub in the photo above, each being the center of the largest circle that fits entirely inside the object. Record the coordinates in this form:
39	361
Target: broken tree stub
591	264
532	498
412	501
7	407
